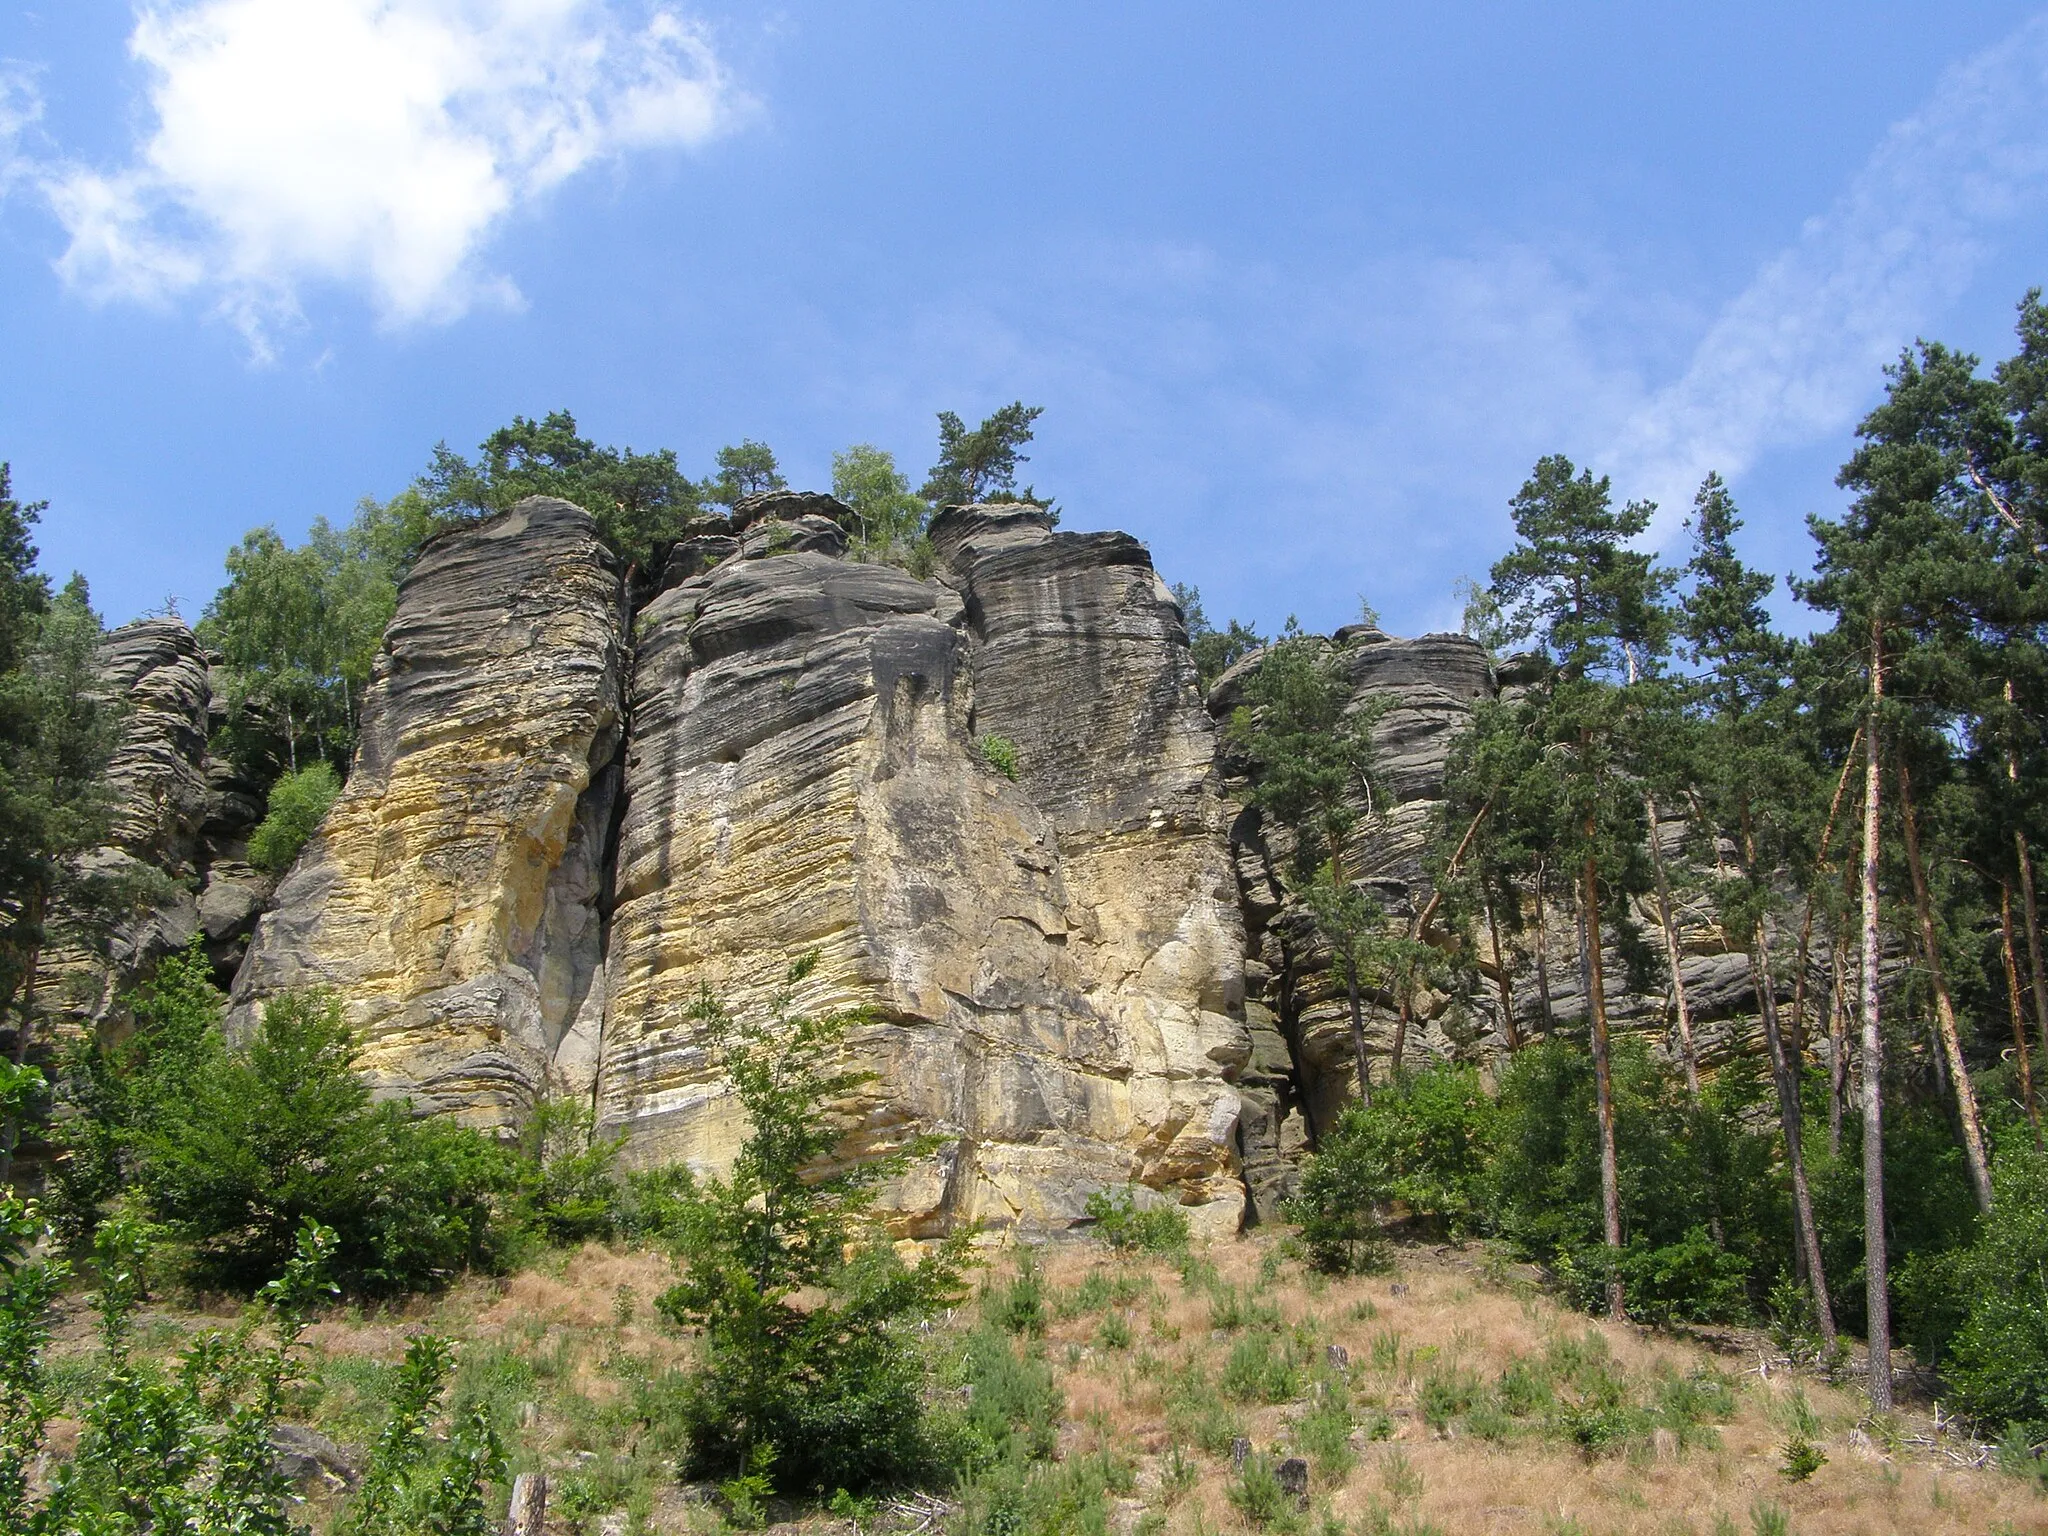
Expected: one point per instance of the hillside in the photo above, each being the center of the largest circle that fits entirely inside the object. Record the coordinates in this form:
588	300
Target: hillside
1467	1401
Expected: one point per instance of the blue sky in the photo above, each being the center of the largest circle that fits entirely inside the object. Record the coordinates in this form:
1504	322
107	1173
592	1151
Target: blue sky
1303	289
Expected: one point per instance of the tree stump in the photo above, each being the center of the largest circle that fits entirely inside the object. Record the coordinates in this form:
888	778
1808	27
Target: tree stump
529	1511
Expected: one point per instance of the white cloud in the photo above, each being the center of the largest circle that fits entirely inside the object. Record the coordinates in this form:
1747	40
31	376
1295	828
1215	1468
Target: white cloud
21	108
1793	358
371	143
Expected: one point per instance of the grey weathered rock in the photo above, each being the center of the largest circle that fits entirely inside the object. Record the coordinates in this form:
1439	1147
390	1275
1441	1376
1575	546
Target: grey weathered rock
789	507
307	1458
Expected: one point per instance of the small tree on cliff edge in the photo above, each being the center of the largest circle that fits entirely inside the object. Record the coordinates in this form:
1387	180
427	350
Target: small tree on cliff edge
981	465
827	1394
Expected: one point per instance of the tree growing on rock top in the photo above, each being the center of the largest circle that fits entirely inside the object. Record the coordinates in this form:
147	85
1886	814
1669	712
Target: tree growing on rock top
1215	651
636	498
981	465
745	468
892	520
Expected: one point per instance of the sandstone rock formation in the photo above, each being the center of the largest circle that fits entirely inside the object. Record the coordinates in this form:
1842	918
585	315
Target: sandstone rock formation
1052	966
1051	963
452	898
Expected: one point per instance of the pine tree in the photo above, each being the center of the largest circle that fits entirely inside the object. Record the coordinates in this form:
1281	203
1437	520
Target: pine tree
1315	772
1754	781
1598	608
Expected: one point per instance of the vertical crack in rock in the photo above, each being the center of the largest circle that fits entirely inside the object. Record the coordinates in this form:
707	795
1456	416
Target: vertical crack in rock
451	897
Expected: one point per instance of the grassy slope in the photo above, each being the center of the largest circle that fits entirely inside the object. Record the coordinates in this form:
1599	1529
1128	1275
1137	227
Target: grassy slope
1164	1365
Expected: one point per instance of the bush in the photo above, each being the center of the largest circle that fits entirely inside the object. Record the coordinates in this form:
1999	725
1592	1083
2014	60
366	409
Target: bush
1525	1166
1998	1361
251	1144
569	1184
190	1448
828	1394
1128	1227
1000	753
414	1483
1333	1208
298	803
1018	1307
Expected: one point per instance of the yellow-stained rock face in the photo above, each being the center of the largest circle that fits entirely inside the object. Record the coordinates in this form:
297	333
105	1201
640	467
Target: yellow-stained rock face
451	897
1051	963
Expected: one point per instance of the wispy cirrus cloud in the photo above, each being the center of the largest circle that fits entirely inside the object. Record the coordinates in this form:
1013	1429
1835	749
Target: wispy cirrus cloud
375	144
1373	422
21	109
1795	356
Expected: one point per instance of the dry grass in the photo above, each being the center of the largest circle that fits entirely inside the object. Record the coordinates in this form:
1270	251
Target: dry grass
560	1350
1447	1316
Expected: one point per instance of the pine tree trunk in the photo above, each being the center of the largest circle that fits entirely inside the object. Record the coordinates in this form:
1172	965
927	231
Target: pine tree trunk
1357	1027
2025	860
1543	958
2019	1022
2027	908
1875	1287
1801	976
1785	1076
1838	1049
1944	1009
1785	1073
1500	977
1673	956
1603	1080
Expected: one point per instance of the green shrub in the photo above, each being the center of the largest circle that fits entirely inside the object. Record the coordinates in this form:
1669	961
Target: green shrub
186	1448
833	1388
1446	1394
1231	1309
1324	1434
416	1482
254	1143
1018	1307
110	1086
1000	753
298	803
569	1190
1998	1360
1014	1406
1261	1369
1802	1459
1128	1227
1333	1207
1256	1494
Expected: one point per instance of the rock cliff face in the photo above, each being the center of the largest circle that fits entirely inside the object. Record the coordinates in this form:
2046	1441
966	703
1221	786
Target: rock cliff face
453	896
178	824
992	801
1051	966
1049	963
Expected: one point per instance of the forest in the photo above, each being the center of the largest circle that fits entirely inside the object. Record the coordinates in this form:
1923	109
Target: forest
1852	810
